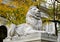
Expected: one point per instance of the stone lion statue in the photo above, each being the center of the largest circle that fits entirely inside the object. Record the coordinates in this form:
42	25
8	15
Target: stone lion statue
33	23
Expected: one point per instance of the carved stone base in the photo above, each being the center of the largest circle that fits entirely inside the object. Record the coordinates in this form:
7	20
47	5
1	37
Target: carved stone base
34	37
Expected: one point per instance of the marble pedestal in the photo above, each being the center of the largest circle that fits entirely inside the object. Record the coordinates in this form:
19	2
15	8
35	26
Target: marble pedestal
34	37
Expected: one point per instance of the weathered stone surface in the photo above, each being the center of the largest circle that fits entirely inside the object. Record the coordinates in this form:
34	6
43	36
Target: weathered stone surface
34	37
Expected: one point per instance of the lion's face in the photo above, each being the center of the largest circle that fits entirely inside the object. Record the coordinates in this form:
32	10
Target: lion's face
34	9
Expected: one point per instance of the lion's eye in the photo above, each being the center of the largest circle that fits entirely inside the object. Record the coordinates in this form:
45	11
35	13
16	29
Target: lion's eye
34	9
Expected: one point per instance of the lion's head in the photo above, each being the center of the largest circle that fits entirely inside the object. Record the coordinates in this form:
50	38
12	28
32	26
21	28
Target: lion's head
33	10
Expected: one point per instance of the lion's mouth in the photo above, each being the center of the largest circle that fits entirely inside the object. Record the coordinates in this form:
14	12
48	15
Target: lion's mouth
37	14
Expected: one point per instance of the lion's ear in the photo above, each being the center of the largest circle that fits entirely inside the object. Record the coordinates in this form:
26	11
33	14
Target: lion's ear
32	7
